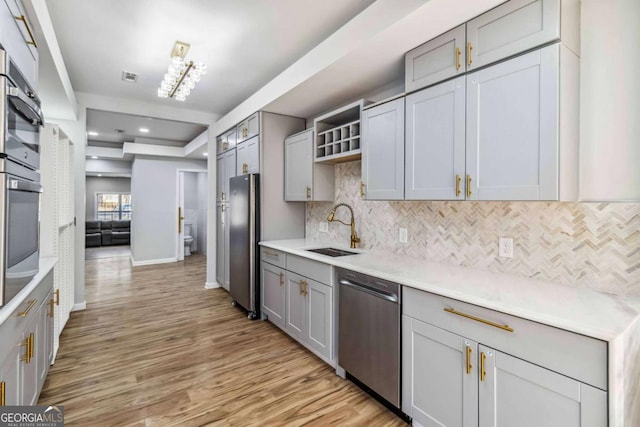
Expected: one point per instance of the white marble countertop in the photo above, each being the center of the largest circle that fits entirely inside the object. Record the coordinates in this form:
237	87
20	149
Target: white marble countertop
584	311
46	264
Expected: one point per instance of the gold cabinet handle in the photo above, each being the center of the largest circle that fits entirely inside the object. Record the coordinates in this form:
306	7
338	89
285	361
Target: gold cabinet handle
26	343
362	187
303	287
180	218
24	21
52	302
458	53
271	253
468	185
31	340
469	49
469	366
57	292
245	168
458	179
3	394
281	279
483	373
478	319
225	146
223	196
308	193
29	307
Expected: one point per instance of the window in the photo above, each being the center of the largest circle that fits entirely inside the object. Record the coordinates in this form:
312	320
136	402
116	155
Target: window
113	206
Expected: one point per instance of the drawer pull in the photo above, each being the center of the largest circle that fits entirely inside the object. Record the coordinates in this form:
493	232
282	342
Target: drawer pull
271	253
29	307
483	373
26	25
469	49
281	279
477	319
469	366
458	179
458	53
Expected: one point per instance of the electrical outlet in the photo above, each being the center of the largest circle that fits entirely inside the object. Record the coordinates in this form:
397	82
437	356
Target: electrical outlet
505	249
324	227
402	235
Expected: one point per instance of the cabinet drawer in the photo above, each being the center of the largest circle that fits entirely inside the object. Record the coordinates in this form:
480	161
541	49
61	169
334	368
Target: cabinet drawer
308	268
273	256
576	356
436	60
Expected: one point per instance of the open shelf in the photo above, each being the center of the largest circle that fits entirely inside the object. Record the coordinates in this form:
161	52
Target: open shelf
338	134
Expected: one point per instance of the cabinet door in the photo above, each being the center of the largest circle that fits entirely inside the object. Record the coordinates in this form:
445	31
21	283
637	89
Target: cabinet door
248	156
273	293
295	306
515	392
440	376
253	125
514	27
435	133
231	139
221	267
45	333
318	317
10	372
298	167
512	128
436	60
29	378
227	248
241	131
383	151
17	41
220	176
229	170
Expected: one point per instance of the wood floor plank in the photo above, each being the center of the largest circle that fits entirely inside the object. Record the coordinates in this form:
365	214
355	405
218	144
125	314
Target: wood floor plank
154	348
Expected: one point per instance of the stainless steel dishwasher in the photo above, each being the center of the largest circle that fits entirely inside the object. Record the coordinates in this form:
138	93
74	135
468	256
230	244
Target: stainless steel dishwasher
369	332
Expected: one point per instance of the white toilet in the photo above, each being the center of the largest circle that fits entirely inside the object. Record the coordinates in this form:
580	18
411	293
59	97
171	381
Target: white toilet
188	239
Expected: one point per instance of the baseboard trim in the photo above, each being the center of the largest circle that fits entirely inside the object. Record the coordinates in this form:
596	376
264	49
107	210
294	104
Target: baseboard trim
79	306
152	261
210	285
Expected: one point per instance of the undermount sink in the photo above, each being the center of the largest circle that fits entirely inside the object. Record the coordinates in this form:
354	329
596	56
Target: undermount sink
332	252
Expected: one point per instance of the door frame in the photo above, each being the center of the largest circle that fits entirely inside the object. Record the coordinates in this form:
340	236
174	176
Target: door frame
179	242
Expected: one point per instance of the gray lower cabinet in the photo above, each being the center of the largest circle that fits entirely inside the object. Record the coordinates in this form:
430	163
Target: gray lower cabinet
459	368
298	298
273	293
383	151
27	347
435	142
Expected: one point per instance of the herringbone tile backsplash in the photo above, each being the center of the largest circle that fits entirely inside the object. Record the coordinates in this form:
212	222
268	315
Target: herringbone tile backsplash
595	245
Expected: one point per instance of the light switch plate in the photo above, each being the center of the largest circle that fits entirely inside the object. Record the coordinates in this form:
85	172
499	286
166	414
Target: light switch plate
402	235
324	227
505	249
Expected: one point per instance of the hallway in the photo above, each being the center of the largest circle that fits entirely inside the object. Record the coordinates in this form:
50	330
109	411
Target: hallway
154	348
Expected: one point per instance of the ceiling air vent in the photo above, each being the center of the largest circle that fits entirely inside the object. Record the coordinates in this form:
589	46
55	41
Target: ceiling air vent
128	76
120	131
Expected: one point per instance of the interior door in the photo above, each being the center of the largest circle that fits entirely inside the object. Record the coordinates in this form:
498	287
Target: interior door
180	241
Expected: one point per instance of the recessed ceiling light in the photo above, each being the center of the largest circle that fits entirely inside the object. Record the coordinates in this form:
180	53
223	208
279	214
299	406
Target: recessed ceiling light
99	174
205	154
92	133
144	130
94	157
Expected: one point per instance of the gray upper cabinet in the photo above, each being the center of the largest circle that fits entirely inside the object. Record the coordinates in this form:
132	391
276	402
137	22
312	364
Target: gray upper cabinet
513	129
383	151
305	180
16	36
513	27
436	60
226	141
248	156
514	392
248	128
435	142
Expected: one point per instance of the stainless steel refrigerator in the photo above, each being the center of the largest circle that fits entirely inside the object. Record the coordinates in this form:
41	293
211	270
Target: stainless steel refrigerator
244	232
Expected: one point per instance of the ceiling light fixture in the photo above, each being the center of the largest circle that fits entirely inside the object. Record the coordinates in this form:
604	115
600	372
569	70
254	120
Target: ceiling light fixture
92	133
99	174
182	75
205	154
94	157
144	130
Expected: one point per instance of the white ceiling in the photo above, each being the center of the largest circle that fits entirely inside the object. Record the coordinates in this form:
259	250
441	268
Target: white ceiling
161	132
244	43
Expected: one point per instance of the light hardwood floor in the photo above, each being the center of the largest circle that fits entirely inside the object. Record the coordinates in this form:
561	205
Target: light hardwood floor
154	348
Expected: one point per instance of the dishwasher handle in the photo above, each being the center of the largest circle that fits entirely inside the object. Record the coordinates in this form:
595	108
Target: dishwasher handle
369	290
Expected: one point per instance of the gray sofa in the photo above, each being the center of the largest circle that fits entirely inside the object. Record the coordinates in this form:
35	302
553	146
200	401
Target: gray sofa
107	233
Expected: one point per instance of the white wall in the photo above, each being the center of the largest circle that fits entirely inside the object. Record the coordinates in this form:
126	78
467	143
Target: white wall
96	185
121	167
154	194
203	188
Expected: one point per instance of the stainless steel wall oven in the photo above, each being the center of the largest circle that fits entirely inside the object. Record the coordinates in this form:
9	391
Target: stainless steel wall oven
20	122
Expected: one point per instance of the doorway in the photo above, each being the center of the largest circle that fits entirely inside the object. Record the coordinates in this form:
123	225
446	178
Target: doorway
192	213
